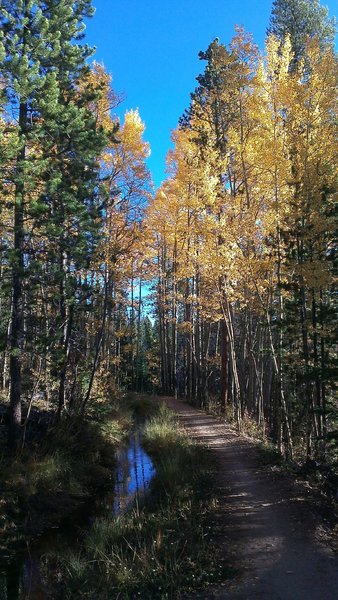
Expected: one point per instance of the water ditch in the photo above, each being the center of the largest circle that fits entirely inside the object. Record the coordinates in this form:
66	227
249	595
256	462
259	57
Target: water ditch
20	578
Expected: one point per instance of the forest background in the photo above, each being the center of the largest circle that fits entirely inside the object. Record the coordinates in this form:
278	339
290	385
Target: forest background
237	245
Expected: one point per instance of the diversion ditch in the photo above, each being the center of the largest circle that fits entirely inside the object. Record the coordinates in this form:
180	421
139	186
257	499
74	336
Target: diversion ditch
20	576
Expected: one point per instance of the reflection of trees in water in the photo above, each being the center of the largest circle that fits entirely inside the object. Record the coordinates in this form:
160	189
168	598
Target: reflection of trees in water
21	578
10	581
134	472
135	461
121	480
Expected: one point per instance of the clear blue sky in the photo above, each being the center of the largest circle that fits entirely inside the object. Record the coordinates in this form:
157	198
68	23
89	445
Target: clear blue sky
151	49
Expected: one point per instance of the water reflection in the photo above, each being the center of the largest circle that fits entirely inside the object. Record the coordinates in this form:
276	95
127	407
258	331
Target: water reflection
20	578
134	473
10	582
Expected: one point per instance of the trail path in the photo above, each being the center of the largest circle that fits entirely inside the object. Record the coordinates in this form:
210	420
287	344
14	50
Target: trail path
269	530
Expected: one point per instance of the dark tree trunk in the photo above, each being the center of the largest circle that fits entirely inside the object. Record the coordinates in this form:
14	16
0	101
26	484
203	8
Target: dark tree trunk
17	315
224	364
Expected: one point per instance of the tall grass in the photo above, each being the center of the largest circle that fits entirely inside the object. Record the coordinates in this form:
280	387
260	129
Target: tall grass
161	549
50	479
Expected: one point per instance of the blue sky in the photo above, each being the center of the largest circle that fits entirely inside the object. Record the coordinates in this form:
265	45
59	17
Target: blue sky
151	49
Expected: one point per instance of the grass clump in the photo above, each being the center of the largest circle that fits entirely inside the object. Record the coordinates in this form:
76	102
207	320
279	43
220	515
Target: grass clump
161	432
162	549
52	477
141	406
269	454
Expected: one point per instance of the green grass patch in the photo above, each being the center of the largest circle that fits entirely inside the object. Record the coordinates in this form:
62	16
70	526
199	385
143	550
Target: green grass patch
162	549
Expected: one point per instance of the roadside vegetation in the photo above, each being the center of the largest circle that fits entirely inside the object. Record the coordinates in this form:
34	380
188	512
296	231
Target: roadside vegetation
164	546
60	468
321	475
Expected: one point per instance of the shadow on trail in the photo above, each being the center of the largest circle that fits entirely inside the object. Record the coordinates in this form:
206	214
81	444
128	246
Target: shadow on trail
267	525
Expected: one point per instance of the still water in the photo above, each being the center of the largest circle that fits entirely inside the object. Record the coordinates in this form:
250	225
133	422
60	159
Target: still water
20	578
134	473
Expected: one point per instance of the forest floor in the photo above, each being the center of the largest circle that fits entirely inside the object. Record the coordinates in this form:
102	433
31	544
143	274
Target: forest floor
271	527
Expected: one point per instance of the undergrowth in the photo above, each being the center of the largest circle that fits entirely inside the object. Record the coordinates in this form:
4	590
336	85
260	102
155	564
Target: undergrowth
158	550
52	476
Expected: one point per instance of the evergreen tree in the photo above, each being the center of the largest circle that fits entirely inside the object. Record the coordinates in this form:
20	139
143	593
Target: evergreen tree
301	19
54	157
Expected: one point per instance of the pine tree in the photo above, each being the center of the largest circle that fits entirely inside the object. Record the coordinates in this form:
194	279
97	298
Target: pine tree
301	19
57	144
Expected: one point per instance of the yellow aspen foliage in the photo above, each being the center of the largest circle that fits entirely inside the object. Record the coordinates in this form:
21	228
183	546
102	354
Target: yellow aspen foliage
97	79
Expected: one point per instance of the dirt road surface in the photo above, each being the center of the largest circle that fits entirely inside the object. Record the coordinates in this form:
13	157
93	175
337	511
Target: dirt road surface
270	531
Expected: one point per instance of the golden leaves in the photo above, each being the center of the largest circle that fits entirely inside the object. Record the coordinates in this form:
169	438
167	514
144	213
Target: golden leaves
219	216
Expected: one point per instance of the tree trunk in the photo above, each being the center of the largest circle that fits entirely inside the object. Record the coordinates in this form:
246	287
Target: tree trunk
224	364
17	315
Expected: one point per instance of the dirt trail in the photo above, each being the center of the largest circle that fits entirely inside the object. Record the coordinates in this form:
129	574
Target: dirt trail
268	527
